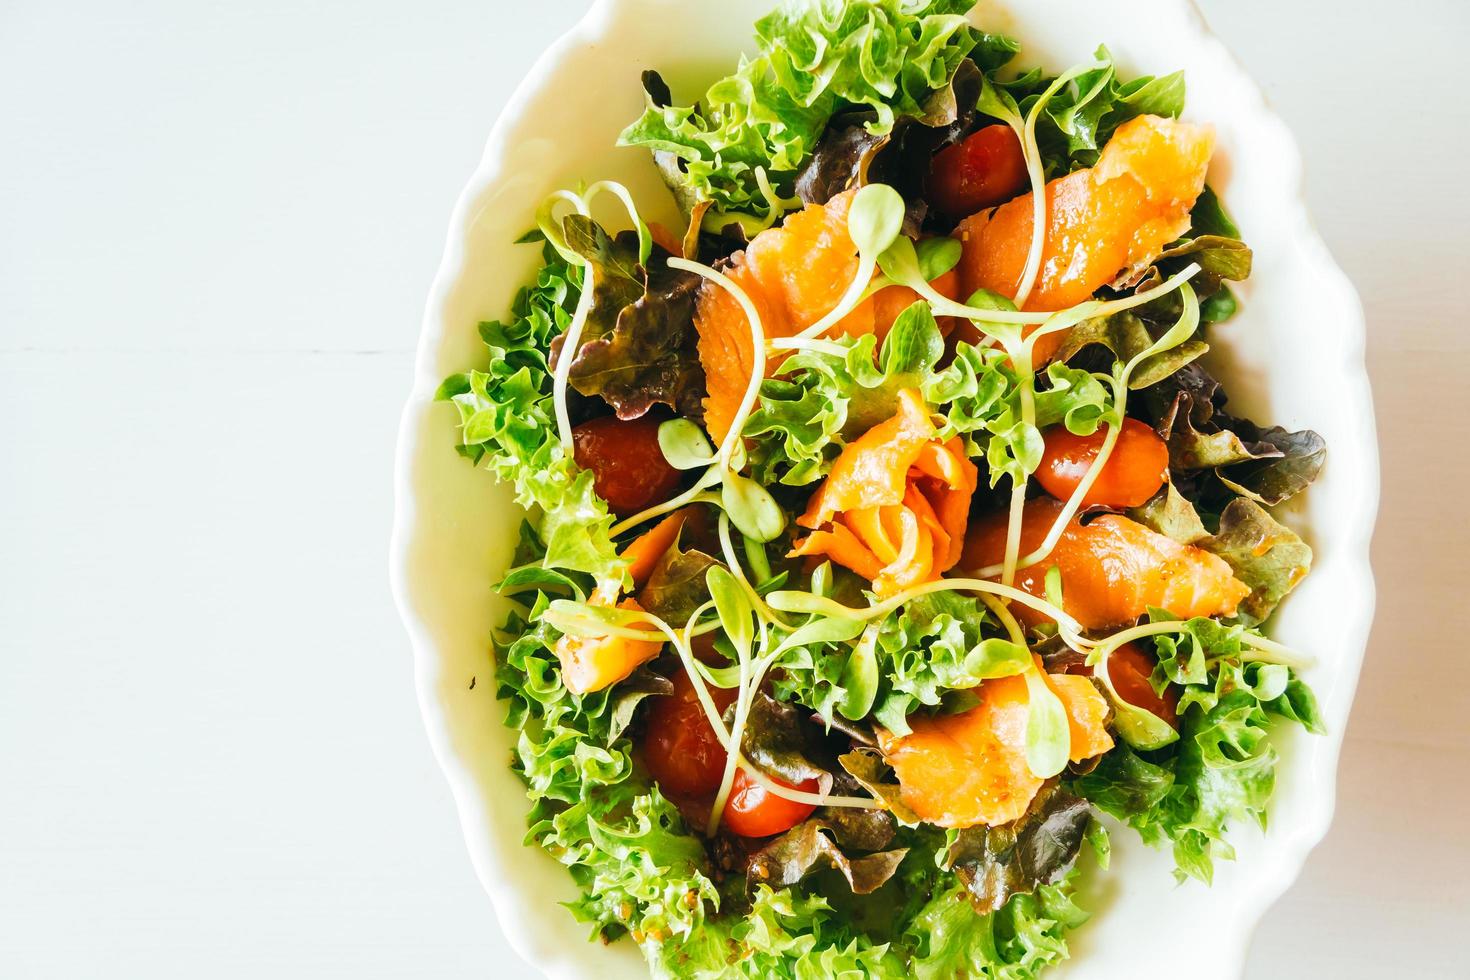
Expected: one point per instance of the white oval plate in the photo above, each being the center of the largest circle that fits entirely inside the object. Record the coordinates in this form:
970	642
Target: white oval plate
1294	357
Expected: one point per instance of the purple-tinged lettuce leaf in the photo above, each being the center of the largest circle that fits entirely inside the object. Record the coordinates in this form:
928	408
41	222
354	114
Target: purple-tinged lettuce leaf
638	344
996	863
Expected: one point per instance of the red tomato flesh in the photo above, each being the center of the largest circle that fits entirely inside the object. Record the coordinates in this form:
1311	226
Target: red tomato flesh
680	748
984	169
754	811
1129	668
628	469
1134	472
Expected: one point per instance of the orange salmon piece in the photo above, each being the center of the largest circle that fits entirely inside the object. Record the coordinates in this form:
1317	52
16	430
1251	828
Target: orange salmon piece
1112	218
873	470
897	501
1112	568
592	663
970	768
644	551
1087	714
794	274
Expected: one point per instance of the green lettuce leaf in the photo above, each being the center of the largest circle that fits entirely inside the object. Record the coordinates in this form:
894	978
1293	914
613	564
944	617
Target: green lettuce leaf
782	934
1019	942
507	422
624	843
1222	770
817	59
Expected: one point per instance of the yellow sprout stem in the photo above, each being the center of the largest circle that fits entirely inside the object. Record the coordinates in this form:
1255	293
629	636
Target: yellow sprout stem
758	353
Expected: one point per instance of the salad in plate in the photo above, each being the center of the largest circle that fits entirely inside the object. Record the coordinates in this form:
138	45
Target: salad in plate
887	542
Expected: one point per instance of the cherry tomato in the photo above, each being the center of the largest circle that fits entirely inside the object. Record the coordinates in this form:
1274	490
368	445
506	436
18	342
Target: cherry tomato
680	748
1136	468
1129	668
984	169
754	811
628	469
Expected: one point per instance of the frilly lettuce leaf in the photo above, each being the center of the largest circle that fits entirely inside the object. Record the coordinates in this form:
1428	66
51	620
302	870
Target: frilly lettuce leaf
624	843
1215	456
507	423
783	934
816	59
996	863
1019	942
1221	770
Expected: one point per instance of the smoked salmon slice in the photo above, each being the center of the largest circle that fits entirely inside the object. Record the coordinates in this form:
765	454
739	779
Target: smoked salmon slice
794	275
1113	569
592	663
970	768
1115	217
895	506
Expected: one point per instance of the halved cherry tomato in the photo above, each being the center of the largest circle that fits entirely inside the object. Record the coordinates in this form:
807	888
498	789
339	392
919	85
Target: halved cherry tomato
984	169
1129	668
754	811
628	469
680	749
1136	468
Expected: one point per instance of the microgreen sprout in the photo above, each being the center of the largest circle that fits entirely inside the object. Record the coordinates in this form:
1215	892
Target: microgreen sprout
874	222
571	339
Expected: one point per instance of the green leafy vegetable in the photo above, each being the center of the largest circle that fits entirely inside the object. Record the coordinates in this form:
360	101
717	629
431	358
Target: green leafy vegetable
638	343
623	842
1016	858
507	423
815	844
1221	770
887	56
1018	942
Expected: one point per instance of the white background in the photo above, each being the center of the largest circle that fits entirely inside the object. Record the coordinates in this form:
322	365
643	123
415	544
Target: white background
217	228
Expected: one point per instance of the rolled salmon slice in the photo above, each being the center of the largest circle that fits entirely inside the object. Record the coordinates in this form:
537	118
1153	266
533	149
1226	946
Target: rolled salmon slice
1113	218
1113	569
794	275
970	768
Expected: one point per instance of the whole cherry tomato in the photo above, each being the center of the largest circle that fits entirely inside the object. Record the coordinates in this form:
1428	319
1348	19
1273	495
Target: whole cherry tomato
754	811
680	749
1136	468
1129	668
984	169
628	469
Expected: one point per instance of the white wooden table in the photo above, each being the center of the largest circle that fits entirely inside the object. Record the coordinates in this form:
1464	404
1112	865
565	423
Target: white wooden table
217	227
